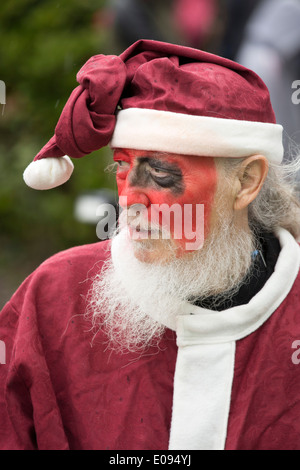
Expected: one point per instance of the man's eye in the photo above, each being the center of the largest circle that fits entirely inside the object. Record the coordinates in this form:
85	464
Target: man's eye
122	165
163	178
158	173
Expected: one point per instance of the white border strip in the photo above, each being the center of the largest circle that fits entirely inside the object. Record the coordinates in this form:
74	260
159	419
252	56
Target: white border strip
164	131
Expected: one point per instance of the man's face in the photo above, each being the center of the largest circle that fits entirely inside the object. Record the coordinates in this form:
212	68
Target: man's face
158	182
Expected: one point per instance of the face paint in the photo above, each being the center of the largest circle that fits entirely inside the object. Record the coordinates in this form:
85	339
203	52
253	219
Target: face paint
174	188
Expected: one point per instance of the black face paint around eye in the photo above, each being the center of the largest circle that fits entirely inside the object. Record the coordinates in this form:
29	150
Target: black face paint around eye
147	174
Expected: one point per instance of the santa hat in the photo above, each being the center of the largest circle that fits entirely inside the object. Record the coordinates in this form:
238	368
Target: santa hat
162	97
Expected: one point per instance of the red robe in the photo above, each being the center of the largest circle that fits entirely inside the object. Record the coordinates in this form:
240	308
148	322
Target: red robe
62	390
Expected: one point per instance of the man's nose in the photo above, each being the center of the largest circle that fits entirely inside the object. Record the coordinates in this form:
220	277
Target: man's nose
131	195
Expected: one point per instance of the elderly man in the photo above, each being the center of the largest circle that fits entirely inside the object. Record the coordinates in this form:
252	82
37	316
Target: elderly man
178	333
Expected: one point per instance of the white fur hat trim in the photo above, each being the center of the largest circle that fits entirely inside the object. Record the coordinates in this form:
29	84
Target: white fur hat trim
150	129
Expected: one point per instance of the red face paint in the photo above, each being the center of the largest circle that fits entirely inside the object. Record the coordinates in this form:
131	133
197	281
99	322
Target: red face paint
192	183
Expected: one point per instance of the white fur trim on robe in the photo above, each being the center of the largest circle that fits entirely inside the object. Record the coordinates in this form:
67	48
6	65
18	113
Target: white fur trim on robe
204	375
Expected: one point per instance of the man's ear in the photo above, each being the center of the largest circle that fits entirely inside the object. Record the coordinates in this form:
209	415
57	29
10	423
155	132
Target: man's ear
251	176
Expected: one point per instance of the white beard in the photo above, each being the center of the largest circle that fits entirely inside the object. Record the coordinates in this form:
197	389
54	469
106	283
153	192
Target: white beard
133	302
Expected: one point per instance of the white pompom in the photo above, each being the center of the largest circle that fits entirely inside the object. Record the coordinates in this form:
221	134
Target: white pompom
48	173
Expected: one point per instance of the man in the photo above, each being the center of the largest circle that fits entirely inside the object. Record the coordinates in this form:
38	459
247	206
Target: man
178	333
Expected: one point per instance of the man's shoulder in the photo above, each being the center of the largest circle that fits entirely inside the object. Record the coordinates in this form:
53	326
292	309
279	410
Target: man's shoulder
65	273
75	263
79	255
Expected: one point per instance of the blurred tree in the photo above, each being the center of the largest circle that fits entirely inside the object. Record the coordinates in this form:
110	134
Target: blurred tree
43	44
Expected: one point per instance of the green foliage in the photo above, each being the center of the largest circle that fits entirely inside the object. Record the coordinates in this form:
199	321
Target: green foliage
43	44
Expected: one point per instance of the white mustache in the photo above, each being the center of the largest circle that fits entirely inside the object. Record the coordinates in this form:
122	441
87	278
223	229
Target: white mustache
140	222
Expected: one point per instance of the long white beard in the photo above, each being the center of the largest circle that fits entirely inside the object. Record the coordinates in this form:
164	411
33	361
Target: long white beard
133	302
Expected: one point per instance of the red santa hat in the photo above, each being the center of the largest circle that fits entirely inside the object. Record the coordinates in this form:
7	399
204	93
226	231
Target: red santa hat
162	97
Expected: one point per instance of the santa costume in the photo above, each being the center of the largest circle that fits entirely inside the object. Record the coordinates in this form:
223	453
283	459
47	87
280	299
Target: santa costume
221	379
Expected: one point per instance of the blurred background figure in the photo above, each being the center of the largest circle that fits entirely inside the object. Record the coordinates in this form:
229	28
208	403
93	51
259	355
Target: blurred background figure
195	20
136	19
193	23
235	15
271	47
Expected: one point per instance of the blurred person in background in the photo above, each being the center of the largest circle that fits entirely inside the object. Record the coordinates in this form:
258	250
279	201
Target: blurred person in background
193	23
235	17
271	47
174	335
